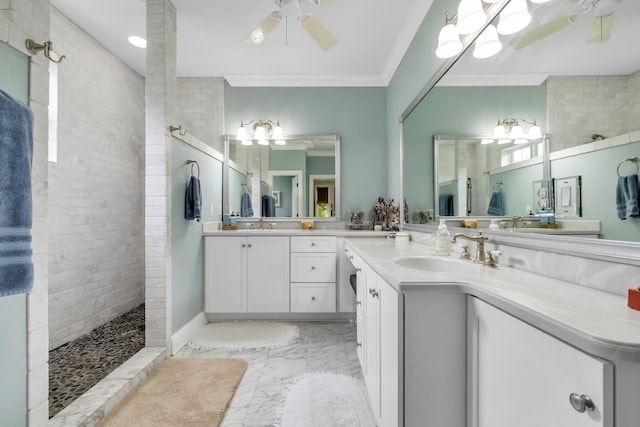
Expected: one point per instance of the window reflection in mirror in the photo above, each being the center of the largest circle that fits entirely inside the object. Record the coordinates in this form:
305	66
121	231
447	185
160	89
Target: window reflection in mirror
294	180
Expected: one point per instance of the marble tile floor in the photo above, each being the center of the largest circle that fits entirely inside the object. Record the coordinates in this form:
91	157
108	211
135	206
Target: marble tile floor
320	346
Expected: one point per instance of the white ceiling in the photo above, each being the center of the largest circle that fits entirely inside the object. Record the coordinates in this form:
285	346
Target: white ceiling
372	38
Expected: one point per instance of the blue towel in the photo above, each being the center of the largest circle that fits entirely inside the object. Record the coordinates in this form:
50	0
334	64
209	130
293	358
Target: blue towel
496	204
245	205
445	204
627	197
16	156
268	206
193	200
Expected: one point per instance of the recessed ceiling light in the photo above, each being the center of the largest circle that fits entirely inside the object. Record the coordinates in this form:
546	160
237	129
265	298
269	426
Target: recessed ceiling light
138	41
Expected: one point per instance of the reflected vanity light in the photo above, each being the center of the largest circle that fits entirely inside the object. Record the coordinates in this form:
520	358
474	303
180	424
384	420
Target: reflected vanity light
509	130
488	43
471	16
514	17
263	130
449	43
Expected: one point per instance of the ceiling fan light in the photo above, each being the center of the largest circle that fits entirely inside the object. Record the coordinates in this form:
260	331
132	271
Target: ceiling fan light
514	17
471	16
449	43
534	132
260	133
487	43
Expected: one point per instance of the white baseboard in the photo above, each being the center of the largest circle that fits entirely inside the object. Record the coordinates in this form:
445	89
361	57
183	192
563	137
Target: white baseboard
180	338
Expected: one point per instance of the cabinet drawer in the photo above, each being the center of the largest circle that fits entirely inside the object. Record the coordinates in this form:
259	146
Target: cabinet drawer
313	267
313	244
313	297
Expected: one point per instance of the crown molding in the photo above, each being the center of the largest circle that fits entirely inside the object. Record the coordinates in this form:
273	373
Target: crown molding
245	80
453	80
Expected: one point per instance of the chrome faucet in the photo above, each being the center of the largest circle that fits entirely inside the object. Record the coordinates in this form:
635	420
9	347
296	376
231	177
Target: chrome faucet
261	223
515	220
479	239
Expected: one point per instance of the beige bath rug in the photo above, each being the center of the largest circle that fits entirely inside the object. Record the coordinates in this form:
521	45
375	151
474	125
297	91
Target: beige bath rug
180	392
244	335
326	399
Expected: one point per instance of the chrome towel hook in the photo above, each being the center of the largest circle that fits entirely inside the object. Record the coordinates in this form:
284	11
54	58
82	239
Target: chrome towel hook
191	162
181	132
47	46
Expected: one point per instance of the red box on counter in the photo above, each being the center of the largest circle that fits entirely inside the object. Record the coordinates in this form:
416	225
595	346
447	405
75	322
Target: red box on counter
634	298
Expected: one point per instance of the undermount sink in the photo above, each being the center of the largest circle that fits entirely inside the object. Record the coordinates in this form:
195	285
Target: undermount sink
439	265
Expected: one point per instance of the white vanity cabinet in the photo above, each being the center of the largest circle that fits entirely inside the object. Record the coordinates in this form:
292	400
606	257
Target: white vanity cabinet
313	274
247	274
378	340
520	376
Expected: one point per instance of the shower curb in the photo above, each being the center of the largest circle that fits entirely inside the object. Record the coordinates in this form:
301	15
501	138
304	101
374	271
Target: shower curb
90	408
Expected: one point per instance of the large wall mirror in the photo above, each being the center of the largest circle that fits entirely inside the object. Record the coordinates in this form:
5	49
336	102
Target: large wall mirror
574	72
297	178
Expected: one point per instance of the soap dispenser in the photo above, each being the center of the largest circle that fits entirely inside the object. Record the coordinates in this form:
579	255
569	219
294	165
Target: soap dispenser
494	225
443	243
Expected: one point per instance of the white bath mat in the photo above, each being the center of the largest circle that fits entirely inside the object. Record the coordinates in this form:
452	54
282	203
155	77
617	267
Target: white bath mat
244	335
326	399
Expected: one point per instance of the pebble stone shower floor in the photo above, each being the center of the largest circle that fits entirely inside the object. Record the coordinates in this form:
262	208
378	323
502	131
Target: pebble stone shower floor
80	364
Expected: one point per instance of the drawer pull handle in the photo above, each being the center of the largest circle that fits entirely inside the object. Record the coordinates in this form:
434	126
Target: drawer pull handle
313	267
359	344
350	256
313	298
244	246
358	269
581	402
358	303
313	244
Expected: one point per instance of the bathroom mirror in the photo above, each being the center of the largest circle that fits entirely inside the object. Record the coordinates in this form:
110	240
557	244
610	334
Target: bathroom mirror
577	88
300	178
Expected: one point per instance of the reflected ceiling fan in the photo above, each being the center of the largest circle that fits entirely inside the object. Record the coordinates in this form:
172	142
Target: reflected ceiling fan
293	8
600	30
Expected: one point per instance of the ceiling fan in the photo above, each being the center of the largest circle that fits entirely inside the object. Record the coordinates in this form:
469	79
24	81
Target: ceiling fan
293	8
600	30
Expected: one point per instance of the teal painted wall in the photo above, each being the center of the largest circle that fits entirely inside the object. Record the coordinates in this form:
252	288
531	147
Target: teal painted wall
358	115
417	67
461	110
599	179
517	188
186	236
320	165
14	80
283	184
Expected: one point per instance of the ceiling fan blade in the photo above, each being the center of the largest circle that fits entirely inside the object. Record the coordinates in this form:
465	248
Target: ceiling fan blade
269	23
320	34
545	30
600	30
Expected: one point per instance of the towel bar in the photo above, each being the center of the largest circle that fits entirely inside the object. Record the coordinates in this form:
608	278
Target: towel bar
191	162
633	159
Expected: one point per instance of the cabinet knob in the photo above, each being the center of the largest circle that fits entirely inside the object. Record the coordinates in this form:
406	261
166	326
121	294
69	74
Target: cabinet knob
358	269
244	246
358	303
249	245
359	344
581	402
350	256
313	244
373	293
313	267
313	298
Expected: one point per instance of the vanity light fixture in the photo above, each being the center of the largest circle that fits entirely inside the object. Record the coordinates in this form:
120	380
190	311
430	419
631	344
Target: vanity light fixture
263	131
471	16
508	130
449	43
487	43
514	17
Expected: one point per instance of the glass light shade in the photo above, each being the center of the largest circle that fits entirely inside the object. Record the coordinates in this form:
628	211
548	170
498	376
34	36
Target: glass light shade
263	142
277	132
517	132
138	41
487	43
246	142
241	135
535	132
449	43
280	142
471	16
260	133
499	132
532	1
493	1
520	141
514	17
487	141
503	141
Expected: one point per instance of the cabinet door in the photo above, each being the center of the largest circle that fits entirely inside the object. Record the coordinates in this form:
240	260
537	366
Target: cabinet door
523	377
361	297
372	338
225	275
390	344
268	274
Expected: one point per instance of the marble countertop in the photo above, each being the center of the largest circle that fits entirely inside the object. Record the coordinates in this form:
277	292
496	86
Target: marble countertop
341	232
597	322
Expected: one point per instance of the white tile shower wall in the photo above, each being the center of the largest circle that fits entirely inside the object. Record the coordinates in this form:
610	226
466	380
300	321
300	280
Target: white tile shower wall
579	107
21	19
161	104
201	108
96	215
634	99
